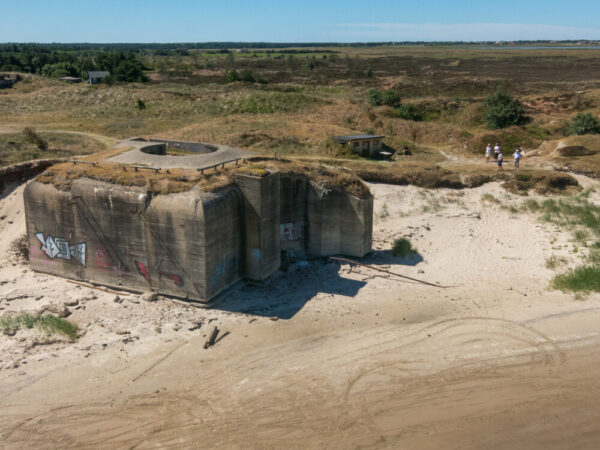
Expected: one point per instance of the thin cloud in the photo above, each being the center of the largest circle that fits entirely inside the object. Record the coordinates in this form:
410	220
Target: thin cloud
461	32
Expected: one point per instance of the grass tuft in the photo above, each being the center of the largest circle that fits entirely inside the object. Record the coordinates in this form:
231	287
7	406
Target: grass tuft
48	323
576	213
582	279
403	248
490	199
20	248
554	262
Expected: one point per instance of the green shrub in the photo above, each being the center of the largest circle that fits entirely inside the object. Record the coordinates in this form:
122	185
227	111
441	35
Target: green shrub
140	104
33	137
233	75
409	112
248	76
584	123
502	111
388	97
403	248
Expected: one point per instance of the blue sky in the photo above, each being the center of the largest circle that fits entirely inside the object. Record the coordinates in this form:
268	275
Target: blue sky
298	21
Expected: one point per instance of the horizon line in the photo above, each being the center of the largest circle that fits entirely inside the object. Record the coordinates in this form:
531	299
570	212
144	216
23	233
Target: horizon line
308	43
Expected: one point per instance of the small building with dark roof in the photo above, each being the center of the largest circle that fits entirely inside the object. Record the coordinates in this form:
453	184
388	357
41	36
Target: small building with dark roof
367	145
96	77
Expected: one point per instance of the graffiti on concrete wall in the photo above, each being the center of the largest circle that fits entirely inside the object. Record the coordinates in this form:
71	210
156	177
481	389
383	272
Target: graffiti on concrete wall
292	231
145	272
171	276
56	247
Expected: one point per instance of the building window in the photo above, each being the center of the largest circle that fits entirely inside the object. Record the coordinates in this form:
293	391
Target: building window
355	144
365	145
375	143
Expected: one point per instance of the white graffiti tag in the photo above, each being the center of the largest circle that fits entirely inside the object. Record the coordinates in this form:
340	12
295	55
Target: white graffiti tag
55	247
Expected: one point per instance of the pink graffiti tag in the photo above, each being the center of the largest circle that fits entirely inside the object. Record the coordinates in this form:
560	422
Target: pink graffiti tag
171	276
143	270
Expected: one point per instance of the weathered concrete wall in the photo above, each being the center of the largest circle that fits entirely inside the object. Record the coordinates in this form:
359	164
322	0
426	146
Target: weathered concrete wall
293	217
191	244
336	223
261	224
185	244
157	149
195	147
339	223
220	234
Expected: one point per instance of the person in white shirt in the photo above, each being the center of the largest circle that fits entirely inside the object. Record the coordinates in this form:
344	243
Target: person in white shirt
518	155
497	150
488	152
500	159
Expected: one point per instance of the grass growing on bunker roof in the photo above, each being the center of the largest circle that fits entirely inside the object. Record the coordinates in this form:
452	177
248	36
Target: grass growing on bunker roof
170	181
323	175
164	182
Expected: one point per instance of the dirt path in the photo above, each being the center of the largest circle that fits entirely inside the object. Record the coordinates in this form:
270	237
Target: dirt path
356	359
106	140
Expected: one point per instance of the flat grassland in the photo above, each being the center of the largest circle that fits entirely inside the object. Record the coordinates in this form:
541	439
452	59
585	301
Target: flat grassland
296	101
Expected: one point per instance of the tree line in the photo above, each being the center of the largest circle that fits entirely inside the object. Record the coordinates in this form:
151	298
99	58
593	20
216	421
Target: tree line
55	62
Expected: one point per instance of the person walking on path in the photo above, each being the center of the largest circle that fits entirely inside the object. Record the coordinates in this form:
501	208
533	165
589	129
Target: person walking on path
500	159
517	154
488	152
497	150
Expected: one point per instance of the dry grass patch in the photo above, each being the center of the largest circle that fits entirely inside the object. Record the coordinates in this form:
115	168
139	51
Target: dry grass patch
168	181
162	182
34	144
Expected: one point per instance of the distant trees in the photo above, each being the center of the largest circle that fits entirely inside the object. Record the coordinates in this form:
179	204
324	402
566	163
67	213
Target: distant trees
502	110
124	66
584	123
61	69
59	61
130	71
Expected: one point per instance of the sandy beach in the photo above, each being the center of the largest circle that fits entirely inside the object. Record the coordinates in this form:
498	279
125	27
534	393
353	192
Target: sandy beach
325	354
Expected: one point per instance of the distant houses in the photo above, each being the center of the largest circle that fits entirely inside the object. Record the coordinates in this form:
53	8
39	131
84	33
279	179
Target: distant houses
96	77
366	145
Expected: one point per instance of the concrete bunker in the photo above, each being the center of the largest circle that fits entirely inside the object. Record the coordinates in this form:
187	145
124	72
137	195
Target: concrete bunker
193	243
